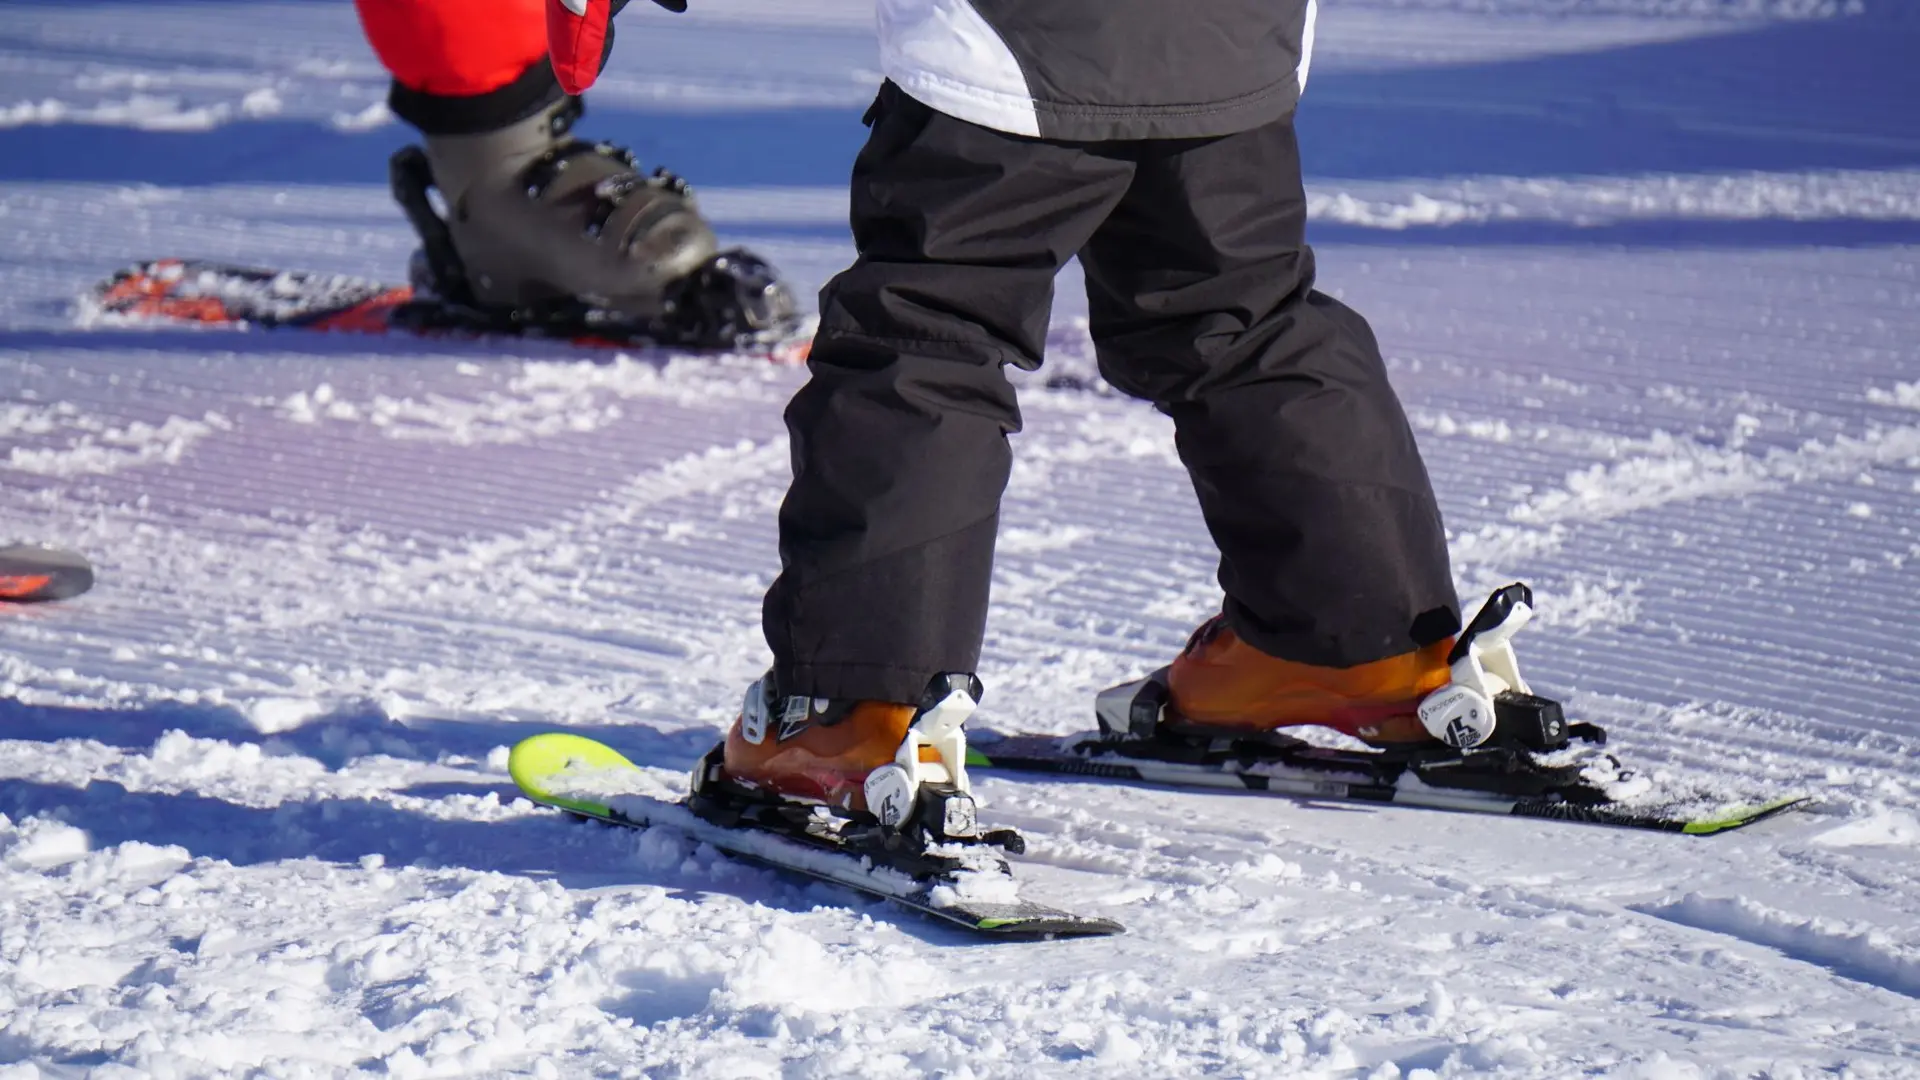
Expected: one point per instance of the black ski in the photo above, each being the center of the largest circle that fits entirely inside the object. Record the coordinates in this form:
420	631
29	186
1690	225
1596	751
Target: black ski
1588	788
1496	748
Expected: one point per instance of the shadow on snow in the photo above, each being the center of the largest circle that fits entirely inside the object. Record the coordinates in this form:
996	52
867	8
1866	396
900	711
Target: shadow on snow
345	830
334	345
336	739
1789	95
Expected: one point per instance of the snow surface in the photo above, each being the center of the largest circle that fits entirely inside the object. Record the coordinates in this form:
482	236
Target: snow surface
1647	274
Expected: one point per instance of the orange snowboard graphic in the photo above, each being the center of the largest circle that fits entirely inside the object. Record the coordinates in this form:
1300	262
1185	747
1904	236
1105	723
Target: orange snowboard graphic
35	574
205	293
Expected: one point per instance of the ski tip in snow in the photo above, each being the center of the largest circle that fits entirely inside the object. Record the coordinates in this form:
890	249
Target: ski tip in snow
1031	921
31	575
553	768
1745	815
1700	813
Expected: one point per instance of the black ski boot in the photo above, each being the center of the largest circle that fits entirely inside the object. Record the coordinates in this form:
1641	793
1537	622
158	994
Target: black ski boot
546	233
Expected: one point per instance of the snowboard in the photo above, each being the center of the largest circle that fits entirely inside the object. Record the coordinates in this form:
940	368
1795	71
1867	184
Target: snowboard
971	888
1578	785
215	294
35	574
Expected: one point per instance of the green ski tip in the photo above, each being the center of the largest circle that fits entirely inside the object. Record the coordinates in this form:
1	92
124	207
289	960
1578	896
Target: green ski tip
540	766
1745	815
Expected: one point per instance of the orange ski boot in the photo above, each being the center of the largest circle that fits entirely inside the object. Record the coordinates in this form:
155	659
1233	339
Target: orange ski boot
1460	692
1220	685
825	757
904	765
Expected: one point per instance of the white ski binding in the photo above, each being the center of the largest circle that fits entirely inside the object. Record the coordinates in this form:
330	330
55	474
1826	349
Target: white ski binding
1487	702
894	790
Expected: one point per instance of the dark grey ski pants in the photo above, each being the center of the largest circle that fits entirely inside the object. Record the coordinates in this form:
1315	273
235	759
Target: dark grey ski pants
1200	288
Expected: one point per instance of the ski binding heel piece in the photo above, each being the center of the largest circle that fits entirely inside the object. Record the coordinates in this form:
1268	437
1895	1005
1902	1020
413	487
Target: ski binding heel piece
933	756
1487	697
1133	710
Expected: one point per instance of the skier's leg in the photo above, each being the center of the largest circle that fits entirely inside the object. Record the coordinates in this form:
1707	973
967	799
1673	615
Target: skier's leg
1339	600
461	66
536	216
899	437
